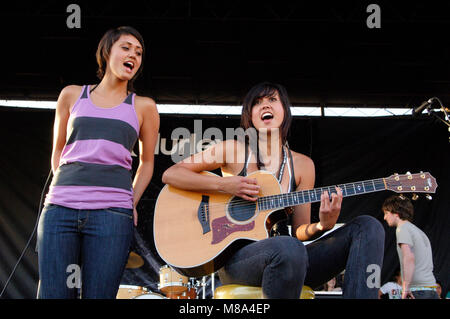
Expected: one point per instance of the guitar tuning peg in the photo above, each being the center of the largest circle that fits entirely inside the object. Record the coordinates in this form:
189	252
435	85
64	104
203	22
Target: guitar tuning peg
415	197
408	173
428	196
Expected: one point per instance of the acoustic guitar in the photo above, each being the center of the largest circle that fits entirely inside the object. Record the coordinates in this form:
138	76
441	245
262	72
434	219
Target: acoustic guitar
195	232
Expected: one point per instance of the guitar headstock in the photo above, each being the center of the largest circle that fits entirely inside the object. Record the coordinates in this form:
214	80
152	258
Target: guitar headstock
411	183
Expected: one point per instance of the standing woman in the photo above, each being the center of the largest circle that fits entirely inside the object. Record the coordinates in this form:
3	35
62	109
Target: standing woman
281	264
86	225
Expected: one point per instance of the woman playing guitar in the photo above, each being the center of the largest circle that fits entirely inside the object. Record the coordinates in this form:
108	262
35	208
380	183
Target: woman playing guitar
282	264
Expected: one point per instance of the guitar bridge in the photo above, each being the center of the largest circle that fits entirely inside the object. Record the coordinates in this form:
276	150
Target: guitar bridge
203	214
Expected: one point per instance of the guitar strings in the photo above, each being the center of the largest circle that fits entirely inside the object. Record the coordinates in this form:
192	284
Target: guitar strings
242	206
378	185
284	198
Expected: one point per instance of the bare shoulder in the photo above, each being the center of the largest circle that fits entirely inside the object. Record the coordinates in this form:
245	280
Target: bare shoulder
304	170
68	96
71	92
225	148
234	156
303	161
234	145
72	89
235	151
146	111
145	103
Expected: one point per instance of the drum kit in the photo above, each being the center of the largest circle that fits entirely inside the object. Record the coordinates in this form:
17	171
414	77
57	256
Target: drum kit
172	285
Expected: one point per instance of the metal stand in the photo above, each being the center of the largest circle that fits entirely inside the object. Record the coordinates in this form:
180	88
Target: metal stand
444	110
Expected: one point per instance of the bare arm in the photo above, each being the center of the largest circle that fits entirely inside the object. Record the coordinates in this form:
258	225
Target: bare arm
301	220
408	261
185	174
147	141
329	211
65	102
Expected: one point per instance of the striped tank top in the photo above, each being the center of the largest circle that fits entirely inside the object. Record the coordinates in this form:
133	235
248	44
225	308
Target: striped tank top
95	169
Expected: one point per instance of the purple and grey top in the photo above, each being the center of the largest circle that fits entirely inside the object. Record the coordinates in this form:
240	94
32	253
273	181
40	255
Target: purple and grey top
95	167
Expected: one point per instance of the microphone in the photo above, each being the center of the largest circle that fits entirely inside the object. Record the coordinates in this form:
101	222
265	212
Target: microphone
423	106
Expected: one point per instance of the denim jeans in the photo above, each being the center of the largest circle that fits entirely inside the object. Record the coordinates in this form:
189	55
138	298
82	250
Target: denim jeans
281	265
358	248
277	264
91	243
425	294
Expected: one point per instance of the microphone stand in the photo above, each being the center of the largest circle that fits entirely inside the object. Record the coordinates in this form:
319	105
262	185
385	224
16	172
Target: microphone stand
446	119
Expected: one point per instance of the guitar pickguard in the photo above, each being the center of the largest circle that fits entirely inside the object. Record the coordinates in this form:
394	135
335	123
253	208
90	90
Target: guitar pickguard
222	227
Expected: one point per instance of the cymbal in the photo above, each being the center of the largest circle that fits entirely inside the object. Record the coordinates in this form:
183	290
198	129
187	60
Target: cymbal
134	261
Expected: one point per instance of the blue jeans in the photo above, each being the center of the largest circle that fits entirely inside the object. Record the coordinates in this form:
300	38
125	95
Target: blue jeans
358	248
87	246
281	265
277	264
425	294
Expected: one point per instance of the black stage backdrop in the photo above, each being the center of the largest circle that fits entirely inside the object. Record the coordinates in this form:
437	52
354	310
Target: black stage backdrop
343	149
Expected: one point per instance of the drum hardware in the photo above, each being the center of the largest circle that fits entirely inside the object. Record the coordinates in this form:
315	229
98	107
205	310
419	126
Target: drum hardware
171	281
203	285
172	284
177	286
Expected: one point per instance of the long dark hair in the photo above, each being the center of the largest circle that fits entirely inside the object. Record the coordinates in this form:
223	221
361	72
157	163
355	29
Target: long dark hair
105	45
260	91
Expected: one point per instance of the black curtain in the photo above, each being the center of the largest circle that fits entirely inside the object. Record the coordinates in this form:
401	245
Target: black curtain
343	149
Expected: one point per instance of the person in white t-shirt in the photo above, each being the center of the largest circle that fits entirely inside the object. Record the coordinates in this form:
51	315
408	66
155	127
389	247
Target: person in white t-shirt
392	288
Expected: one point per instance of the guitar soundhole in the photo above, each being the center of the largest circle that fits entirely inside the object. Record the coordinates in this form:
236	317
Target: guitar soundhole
240	209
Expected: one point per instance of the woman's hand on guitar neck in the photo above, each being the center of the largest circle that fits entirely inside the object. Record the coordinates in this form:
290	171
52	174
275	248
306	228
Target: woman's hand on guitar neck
329	210
244	187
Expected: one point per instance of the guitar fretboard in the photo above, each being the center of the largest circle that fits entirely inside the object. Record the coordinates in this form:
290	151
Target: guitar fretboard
313	195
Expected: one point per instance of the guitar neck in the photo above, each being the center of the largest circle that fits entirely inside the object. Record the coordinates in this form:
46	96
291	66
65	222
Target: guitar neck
313	195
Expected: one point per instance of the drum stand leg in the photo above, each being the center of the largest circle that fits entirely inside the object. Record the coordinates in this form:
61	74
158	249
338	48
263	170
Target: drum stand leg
203	287
212	285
